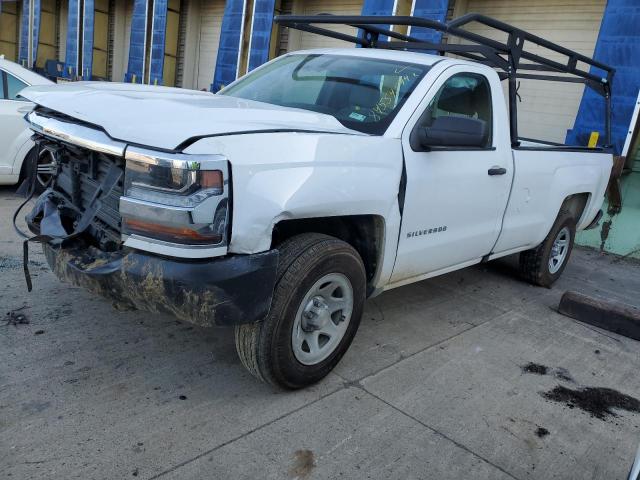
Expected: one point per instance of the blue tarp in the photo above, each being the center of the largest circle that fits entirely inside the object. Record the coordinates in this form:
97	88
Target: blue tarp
135	68
36	31
261	32
158	40
87	39
227	61
71	50
378	7
618	45
23	49
432	10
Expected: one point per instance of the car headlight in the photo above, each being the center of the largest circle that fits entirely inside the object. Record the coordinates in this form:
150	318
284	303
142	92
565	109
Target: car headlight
180	184
176	198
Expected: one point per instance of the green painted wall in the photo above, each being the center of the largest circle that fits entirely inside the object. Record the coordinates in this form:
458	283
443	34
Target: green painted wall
624	228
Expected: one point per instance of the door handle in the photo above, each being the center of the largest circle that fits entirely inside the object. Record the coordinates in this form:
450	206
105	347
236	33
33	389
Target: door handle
497	171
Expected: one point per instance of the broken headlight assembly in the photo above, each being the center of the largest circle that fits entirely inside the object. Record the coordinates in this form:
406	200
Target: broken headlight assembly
175	204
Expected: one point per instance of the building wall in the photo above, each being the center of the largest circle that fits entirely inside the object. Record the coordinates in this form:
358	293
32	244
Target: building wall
10	29
619	233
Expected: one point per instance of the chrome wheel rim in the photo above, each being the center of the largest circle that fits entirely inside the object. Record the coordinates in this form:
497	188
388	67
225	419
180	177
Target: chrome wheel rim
322	319
45	167
559	250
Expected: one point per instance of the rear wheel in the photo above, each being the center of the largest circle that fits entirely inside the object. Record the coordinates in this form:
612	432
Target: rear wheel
315	312
544	264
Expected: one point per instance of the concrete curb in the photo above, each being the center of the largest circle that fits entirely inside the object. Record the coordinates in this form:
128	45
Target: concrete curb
610	315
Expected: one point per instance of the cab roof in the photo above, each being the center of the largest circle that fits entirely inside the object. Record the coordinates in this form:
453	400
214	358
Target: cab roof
395	55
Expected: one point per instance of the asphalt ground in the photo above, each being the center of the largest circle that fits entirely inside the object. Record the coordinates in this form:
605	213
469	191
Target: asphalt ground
470	375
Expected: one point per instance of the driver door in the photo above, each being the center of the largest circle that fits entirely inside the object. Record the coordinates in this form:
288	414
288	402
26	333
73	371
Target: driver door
455	195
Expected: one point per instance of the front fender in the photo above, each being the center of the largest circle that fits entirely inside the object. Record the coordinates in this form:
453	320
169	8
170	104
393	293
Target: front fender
281	176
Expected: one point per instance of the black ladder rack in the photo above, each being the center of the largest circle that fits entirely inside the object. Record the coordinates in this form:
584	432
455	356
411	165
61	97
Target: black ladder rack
510	58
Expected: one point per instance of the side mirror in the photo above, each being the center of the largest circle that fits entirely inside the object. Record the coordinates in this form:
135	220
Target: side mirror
454	132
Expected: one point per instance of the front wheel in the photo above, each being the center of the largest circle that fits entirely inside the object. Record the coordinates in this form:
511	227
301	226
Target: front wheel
544	264
315	312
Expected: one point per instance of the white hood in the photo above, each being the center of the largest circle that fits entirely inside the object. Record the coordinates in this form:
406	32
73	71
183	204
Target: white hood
163	117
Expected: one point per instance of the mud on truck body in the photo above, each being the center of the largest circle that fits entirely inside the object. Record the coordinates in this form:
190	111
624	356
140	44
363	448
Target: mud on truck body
320	179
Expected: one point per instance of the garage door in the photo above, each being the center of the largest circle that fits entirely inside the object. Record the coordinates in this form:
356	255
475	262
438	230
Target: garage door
48	38
335	7
210	25
100	63
548	109
171	43
9	30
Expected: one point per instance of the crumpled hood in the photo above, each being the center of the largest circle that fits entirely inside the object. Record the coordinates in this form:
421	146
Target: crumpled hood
165	117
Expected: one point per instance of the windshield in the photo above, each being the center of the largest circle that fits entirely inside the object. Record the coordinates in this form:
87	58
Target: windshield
361	93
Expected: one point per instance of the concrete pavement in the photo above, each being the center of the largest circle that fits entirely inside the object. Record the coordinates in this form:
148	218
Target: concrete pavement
433	387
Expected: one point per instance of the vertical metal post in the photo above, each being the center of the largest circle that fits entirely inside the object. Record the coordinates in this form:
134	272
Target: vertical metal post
515	44
513	109
607	114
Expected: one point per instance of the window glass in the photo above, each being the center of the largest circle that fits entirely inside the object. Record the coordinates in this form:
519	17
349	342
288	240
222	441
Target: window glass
463	95
364	94
1	85
14	86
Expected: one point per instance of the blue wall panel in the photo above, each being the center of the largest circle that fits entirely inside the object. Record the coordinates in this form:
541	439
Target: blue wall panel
377	7
432	10
135	68
23	49
261	33
36	30
618	45
227	61
158	42
71	49
87	39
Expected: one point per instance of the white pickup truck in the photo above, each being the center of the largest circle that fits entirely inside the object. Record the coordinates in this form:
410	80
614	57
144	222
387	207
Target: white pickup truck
280	204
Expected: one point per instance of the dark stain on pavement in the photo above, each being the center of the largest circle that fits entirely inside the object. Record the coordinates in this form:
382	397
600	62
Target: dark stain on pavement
538	369
535	368
17	317
597	401
541	432
563	374
303	463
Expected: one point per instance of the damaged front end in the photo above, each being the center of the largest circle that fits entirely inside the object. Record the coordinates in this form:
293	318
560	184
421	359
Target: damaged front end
144	228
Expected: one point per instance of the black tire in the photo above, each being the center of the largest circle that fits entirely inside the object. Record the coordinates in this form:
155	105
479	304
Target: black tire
265	348
534	263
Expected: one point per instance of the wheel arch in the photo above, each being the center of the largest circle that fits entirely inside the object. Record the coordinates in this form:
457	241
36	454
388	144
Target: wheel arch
576	204
365	233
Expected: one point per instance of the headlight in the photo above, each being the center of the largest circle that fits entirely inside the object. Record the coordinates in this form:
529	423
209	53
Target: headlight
180	185
176	198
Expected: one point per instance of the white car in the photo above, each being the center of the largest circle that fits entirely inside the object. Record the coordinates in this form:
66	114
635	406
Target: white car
316	181
15	142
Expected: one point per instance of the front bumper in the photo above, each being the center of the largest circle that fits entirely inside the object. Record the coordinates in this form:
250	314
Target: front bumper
224	291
